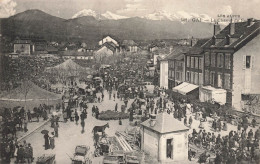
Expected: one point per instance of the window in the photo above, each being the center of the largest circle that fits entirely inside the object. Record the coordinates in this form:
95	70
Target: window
227	61
200	79
196	62
219	80
207	77
213	60
212	78
192	77
200	63
207	60
192	62
227	81
177	75
220	60
188	76
188	61
181	79
248	61
196	78
170	73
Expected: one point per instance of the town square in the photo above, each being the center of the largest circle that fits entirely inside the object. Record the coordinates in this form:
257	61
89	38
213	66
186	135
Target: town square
109	84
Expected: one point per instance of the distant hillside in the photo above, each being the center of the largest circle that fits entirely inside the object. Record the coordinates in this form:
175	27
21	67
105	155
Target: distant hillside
87	28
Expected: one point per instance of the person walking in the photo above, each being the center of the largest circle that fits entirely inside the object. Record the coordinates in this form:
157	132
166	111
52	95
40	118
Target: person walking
25	122
46	139
185	120
29	115
83	126
190	121
56	130
30	149
76	118
116	107
20	154
102	96
52	140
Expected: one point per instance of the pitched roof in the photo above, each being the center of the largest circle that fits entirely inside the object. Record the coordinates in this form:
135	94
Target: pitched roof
197	49
242	34
110	45
177	51
165	123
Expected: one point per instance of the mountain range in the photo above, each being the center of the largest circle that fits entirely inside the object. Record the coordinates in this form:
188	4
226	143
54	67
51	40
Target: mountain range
104	16
91	27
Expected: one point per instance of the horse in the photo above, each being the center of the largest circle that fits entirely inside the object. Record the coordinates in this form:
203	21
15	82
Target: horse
100	128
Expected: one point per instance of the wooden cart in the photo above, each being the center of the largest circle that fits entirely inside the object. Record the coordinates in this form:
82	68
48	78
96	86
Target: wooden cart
46	159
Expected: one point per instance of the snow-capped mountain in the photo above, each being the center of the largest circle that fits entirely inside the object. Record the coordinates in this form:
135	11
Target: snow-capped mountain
85	12
161	15
110	15
106	15
177	16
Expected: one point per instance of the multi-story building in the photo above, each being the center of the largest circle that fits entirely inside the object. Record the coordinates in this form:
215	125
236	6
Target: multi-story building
230	63
176	66
194	63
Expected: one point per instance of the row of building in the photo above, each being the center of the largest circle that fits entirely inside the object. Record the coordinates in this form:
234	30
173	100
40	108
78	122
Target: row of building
104	48
220	69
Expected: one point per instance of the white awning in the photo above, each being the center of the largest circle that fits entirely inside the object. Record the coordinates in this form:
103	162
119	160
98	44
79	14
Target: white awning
185	88
211	94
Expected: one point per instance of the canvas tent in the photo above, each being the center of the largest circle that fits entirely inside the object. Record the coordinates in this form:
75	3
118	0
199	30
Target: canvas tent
35	96
70	68
33	93
208	93
185	88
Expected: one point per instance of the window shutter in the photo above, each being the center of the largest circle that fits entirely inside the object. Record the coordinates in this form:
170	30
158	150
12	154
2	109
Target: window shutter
252	60
244	61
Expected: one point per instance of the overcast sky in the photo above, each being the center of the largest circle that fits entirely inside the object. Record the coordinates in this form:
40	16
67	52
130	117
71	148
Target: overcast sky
67	8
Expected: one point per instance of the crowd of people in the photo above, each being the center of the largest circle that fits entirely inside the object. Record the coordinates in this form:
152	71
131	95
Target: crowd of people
14	120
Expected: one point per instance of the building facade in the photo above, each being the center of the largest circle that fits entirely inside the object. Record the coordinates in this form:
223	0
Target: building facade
230	63
108	39
194	65
165	138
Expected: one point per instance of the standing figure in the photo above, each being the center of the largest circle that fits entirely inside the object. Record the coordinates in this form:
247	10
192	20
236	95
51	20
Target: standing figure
82	125
116	107
46	139
52	140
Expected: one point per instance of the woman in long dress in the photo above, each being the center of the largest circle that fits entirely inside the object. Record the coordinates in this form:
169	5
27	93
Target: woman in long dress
52	140
46	139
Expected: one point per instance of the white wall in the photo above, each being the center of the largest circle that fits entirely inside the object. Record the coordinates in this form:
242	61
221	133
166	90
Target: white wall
164	74
25	50
180	146
246	77
150	142
107	39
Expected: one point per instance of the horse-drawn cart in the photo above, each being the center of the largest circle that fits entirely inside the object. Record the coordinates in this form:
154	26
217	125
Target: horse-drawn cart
80	155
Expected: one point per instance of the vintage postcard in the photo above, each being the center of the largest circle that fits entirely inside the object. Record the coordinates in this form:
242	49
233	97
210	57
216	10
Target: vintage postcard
129	81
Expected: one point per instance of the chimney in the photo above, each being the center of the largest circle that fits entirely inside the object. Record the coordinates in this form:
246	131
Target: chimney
216	28
250	21
214	40
231	28
153	120
228	40
193	41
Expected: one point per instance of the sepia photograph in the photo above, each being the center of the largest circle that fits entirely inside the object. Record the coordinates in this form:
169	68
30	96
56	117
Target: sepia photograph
129	82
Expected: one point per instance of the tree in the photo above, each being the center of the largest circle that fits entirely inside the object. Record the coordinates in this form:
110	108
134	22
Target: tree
24	88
